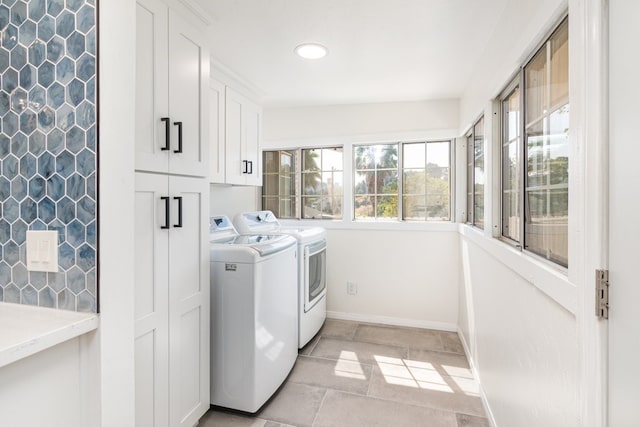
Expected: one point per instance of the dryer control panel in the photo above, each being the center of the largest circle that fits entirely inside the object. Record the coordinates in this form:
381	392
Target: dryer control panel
253	222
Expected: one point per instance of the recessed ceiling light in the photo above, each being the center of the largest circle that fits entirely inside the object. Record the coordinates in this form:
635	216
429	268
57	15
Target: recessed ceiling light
311	51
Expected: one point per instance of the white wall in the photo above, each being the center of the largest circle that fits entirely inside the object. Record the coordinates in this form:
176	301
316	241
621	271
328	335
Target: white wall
435	119
230	200
521	28
403	277
523	344
406	274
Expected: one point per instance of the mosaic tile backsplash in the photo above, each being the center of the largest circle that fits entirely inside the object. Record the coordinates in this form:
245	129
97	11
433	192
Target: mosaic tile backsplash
48	148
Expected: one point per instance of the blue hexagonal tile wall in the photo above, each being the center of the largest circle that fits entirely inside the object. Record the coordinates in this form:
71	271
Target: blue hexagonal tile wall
37	52
36	9
27	33
48	148
4	16
37	142
46	28
10	37
37	98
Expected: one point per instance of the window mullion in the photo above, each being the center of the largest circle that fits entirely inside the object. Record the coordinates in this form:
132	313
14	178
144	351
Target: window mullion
400	173
522	152
297	182
472	151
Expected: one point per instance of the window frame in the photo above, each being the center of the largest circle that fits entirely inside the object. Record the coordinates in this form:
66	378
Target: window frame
470	139
400	172
300	197
519	81
294	180
516	83
354	170
348	149
298	178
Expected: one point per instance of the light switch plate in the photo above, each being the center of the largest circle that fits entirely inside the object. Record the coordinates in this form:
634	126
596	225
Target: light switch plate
42	250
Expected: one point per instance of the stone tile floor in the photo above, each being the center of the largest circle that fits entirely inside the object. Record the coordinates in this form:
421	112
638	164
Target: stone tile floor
360	374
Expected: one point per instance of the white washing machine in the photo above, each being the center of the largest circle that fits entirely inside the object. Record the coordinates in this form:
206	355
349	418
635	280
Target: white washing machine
312	267
254	310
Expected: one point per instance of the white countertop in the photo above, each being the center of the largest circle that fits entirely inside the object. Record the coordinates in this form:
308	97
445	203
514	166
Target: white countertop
26	330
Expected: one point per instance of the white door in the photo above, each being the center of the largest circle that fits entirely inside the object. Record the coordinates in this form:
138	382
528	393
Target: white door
151	301
189	300
188	98
624	206
152	85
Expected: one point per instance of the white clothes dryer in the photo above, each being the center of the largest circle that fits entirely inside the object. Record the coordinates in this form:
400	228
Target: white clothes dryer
254	329
312	267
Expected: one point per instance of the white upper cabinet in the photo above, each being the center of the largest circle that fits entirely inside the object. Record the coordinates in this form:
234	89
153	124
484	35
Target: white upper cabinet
217	154
152	83
172	80
242	134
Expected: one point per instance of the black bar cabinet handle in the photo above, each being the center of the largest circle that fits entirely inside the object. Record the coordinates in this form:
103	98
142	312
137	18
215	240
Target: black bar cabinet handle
250	167
245	166
179	224
166	212
179	124
167	134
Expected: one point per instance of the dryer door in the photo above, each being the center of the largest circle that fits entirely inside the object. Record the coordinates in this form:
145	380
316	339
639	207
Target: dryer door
315	277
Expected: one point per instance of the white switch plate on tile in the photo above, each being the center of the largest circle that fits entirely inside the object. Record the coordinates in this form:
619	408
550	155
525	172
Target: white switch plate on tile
42	250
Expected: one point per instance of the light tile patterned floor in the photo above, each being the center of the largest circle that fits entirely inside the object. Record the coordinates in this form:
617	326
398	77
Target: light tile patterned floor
356	374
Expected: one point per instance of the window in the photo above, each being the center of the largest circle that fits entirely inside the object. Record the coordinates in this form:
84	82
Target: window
425	181
278	188
547	134
402	181
376	181
415	173
511	164
319	173
542	116
321	183
475	174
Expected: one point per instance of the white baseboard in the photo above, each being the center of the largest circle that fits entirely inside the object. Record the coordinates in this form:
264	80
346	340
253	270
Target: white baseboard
394	321
483	396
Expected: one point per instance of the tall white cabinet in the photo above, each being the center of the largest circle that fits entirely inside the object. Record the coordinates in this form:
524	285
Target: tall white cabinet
172	209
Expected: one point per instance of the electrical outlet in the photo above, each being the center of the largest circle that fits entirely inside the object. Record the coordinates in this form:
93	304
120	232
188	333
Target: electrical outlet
352	288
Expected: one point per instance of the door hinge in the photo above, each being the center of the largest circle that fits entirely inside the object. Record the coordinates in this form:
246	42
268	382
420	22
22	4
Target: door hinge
602	294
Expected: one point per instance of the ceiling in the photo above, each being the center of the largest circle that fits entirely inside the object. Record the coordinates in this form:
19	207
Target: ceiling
379	50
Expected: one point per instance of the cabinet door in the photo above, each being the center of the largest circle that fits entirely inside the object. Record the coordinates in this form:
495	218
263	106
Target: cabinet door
236	167
188	98
189	301
252	117
152	85
151	302
216	132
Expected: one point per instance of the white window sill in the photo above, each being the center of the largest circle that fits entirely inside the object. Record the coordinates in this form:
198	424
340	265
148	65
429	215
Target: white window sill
435	226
